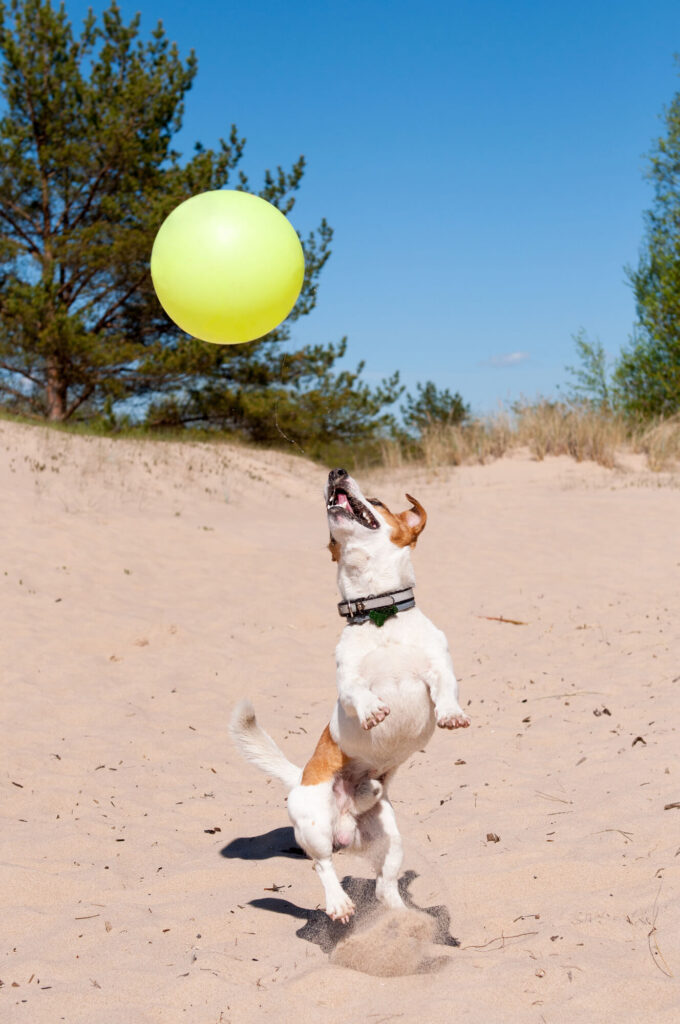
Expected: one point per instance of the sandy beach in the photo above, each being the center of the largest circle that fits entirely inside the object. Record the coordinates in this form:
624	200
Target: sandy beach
149	874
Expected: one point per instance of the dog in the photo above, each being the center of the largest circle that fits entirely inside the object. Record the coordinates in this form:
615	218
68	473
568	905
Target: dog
395	683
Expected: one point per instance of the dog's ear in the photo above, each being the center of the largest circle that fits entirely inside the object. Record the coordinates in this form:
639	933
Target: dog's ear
334	549
416	517
411	524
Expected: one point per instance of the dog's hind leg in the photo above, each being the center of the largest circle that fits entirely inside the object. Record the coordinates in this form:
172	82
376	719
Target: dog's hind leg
381	836
313	812
339	906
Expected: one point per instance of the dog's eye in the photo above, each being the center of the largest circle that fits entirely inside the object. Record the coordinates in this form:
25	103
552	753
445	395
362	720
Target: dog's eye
375	501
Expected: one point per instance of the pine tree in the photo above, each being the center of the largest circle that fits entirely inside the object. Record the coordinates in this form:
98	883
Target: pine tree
433	406
88	173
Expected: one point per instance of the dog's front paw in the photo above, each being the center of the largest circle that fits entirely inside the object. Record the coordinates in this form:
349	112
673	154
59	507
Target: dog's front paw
341	909
452	717
372	712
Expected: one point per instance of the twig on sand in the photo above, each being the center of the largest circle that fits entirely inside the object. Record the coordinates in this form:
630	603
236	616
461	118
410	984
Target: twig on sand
501	618
549	796
572	693
652	942
626	835
499	938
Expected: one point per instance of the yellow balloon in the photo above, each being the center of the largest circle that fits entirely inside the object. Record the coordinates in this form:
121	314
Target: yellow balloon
227	266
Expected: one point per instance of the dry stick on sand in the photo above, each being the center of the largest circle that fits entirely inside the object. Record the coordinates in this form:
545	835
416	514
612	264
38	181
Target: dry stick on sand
501	618
626	835
574	693
655	952
499	938
549	796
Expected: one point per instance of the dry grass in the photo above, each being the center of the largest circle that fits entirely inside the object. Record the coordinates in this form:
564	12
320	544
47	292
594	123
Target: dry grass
545	428
392	455
584	432
660	442
478	441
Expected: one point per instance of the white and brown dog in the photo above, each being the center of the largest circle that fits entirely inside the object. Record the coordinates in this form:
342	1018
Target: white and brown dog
395	682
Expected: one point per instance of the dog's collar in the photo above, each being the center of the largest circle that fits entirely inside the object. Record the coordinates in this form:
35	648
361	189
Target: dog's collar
378	608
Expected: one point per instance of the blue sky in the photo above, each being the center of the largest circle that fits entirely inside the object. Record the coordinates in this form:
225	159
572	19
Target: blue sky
480	162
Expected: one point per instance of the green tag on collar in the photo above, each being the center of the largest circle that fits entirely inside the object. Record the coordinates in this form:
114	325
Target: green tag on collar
380	615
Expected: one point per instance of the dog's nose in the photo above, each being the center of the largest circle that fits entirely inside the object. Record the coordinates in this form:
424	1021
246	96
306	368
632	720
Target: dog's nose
336	474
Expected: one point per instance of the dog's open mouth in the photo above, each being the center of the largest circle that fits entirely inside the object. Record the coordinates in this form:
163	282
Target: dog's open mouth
340	502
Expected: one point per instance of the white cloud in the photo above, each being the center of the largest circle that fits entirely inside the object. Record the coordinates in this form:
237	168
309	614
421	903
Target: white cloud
507	359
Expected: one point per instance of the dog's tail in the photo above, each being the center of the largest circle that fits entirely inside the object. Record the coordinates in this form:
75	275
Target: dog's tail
257	746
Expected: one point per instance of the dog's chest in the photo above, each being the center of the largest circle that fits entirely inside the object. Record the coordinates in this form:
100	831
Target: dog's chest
395	664
403	645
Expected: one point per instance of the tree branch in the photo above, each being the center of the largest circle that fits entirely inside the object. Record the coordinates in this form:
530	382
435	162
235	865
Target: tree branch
22	234
69	296
106	317
87	204
13	391
89	390
22	373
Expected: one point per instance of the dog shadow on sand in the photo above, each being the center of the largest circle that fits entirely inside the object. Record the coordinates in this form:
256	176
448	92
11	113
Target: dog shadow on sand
376	940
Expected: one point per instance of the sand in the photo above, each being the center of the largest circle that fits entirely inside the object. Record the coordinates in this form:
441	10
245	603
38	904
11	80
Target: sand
150	875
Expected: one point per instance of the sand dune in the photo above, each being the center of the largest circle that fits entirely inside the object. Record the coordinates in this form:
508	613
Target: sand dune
149	875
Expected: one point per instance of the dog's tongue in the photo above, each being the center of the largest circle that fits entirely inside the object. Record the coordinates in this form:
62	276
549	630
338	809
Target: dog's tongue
341	499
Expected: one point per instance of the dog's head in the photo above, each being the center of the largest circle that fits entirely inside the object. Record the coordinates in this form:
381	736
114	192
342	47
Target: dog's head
364	531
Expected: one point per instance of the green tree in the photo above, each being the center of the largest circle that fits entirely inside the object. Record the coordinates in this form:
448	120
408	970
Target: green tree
590	378
88	173
298	397
431	406
647	376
